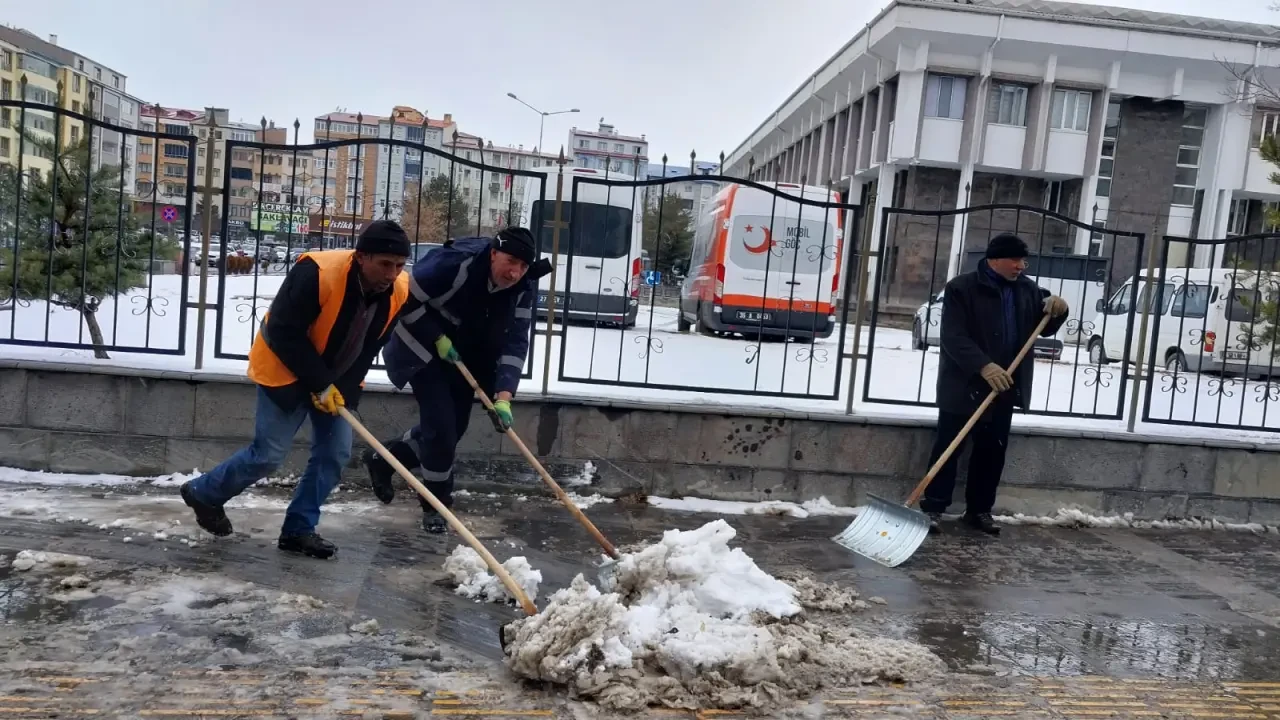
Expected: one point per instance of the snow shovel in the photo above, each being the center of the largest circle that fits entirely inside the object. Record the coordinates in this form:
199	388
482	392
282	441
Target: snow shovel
604	570
889	533
495	567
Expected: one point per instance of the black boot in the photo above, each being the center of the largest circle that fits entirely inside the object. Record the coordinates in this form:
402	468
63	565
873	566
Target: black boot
310	544
983	522
210	517
433	523
935	522
380	472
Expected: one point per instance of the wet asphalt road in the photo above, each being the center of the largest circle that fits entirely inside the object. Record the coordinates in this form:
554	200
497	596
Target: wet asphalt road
1138	605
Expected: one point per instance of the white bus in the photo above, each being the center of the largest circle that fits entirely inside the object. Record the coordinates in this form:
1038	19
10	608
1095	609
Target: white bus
605	282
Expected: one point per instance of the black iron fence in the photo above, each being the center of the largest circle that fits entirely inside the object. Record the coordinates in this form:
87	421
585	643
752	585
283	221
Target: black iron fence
1211	342
82	253
707	284
756	312
919	250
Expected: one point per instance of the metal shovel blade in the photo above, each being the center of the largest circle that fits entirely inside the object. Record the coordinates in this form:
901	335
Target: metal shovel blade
887	532
604	574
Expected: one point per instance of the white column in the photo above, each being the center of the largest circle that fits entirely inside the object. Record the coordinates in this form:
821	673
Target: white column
821	172
960	225
884	198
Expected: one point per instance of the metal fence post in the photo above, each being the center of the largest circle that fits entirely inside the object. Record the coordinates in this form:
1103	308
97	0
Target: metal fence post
556	225
207	229
864	272
1153	296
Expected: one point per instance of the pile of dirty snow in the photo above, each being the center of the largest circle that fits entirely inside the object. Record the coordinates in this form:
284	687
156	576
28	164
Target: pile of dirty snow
475	581
1077	518
690	622
39	560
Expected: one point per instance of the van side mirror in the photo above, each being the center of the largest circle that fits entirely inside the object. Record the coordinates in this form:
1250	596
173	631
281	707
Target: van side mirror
1101	305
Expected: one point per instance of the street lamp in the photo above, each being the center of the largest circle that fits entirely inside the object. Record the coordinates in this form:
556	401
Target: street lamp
543	115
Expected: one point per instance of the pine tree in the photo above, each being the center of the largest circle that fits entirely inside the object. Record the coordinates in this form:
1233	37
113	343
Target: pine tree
73	239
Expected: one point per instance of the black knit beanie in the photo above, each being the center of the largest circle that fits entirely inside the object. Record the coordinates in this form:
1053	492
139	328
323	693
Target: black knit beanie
383	237
1006	246
516	242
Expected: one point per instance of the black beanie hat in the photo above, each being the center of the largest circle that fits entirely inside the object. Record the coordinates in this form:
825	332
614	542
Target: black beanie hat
1006	245
517	242
383	237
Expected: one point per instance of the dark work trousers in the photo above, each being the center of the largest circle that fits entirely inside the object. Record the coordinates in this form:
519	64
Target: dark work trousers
444	410
989	439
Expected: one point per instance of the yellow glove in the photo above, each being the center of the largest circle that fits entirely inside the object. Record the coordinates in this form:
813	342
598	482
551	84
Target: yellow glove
328	401
444	348
1055	306
996	377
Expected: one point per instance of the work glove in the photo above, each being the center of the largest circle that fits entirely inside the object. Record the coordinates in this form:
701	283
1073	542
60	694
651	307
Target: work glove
996	377
444	348
328	401
1055	306
501	416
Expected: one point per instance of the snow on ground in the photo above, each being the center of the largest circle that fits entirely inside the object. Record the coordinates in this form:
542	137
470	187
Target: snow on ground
690	622
586	477
32	560
472	576
14	476
819	507
1077	518
586	501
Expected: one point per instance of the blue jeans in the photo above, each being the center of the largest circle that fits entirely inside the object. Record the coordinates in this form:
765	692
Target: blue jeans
273	432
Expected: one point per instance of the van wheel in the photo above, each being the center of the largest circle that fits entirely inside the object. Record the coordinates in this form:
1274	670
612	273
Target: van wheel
1097	353
918	339
681	324
1175	362
699	326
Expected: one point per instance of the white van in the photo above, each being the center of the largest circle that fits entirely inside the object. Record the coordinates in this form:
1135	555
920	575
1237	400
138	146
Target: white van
764	264
605	282
1207	318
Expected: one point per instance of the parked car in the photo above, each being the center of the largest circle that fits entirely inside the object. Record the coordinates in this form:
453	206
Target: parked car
926	331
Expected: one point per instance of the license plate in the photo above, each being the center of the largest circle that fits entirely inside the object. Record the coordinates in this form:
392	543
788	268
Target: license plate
542	300
1237	355
749	316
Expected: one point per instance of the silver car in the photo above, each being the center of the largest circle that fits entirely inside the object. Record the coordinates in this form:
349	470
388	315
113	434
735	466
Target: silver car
926	331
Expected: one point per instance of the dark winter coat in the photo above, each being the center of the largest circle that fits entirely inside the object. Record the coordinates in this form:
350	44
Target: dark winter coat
449	295
978	309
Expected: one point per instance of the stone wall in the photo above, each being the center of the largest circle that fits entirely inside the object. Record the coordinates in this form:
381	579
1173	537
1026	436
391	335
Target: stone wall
1142	181
68	419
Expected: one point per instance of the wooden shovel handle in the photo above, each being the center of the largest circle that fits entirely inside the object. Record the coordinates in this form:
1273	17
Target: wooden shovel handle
973	420
573	508
516	591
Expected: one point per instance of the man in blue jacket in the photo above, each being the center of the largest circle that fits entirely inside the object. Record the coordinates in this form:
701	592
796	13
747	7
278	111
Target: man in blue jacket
471	301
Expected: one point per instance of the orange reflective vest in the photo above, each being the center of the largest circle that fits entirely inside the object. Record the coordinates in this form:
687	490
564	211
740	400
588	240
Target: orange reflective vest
266	369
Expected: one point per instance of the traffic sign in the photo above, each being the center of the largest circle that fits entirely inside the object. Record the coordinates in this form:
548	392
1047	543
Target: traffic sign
169	213
652	277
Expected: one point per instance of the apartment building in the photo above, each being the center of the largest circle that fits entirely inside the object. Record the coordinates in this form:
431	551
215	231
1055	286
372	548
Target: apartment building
401	171
58	76
1130	119
162	165
504	193
695	195
606	148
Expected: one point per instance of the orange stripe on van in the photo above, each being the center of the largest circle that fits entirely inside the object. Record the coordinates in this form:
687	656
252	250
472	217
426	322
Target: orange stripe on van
800	304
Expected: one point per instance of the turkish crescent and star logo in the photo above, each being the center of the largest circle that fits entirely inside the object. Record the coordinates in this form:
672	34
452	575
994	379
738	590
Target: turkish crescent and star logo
765	246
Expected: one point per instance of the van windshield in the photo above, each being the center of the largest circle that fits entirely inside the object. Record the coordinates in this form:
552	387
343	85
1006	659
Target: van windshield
808	246
603	231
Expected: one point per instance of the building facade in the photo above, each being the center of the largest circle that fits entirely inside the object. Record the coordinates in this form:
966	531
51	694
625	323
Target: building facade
162	164
1136	121
695	195
605	148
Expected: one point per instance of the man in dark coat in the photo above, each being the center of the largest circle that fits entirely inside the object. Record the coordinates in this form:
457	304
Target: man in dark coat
987	315
471	301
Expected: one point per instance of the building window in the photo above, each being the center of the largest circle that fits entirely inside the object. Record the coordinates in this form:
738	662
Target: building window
602	146
75	134
1238	218
1071	110
144	167
1052	200
1269	127
97	74
75	106
639	150
1188	169
144	148
4	147
584	144
176	151
6	61
240	173
6	118
75	83
1107	154
174	129
115	81
944	97
1007	105
174	170
6	90
144	187
126	108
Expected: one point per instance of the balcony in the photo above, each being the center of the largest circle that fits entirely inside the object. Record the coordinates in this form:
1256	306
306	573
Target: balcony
940	139
1066	152
1257	175
1003	147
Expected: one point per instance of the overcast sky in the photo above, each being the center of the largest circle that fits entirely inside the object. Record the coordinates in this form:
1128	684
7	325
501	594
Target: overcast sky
689	74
